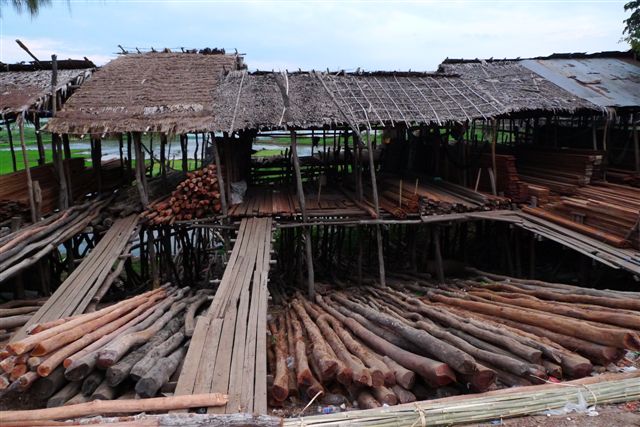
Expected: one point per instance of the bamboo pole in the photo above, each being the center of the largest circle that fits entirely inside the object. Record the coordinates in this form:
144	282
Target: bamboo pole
376	203
141	180
216	159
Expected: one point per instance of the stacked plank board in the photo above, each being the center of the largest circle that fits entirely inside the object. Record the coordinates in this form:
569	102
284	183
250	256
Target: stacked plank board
506	178
75	294
13	186
226	354
562	171
606	212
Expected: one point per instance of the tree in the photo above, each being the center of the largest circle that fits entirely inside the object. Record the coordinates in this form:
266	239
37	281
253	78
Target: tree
32	7
631	32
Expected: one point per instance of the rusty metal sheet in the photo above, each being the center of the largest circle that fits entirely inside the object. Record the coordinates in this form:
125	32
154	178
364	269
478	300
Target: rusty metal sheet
606	82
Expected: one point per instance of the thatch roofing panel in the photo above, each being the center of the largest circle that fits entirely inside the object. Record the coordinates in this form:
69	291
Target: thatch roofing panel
157	92
31	90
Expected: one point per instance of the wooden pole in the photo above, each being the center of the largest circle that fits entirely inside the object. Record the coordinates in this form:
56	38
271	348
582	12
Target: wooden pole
129	156
13	151
306	231
636	143
25	158
163	156
216	159
141	179
438	254
41	154
374	190
54	84
494	142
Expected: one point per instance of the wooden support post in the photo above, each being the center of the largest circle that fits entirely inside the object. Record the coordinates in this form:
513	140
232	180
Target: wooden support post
63	199
216	159
41	154
374	190
11	147
129	157
494	142
141	179
25	158
532	257
18	290
438	254
96	157
306	230
65	144
54	84
636	143
163	156
184	142
153	262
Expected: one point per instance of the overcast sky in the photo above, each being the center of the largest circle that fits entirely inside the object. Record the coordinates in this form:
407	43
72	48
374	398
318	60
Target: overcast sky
372	35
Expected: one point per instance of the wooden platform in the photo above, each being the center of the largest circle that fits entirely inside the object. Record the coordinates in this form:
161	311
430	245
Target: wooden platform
227	353
75	294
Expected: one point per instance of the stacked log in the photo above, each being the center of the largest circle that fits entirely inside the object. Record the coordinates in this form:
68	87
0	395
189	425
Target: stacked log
384	345
137	344
198	196
29	244
15	314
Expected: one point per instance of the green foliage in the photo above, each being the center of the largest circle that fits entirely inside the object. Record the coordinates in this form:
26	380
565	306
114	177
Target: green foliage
631	32
32	7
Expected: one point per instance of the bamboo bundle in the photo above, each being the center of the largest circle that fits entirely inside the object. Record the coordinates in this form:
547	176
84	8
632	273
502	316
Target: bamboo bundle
196	197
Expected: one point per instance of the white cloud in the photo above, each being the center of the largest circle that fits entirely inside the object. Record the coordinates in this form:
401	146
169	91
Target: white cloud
44	47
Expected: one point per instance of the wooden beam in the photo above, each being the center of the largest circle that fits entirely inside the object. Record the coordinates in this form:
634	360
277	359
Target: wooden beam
306	231
374	190
25	158
223	190
41	154
141	179
11	147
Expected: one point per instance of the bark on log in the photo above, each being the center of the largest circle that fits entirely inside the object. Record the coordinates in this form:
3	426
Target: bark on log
367	401
64	394
559	324
280	389
157	376
46	387
120	371
27	380
304	378
120	346
190	315
78	398
59	356
105	392
166	347
320	352
91	382
404	395
456	359
14	321
384	395
404	377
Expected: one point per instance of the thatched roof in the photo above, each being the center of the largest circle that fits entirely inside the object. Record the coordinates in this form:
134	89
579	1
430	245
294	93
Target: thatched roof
155	91
456	93
31	90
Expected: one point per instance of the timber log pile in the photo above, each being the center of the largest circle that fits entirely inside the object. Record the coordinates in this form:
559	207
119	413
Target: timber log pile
28	245
381	346
133	346
15	314
198	196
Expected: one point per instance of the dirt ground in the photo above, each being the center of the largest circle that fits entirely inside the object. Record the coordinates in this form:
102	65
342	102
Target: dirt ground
623	415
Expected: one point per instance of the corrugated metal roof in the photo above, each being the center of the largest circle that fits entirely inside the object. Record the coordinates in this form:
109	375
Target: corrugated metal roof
606	82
